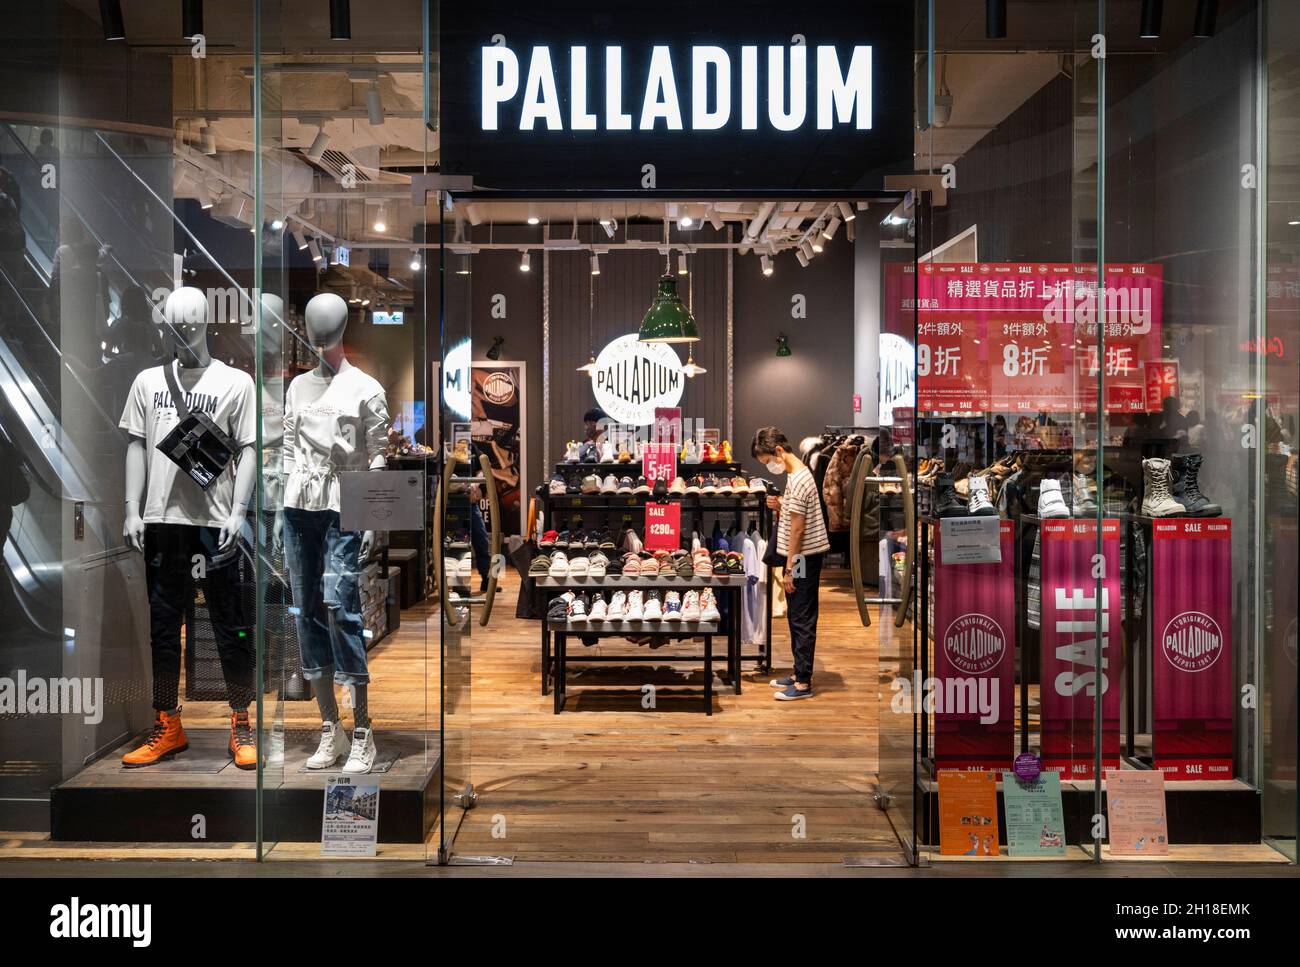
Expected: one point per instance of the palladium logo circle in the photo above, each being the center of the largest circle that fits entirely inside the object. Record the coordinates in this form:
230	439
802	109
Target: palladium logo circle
499	388
974	643
633	377
1192	641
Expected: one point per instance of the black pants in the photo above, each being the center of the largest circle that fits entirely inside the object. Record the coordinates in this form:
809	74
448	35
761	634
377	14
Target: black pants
171	553
801	612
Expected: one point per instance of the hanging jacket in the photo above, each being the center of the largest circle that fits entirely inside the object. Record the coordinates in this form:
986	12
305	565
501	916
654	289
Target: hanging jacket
835	488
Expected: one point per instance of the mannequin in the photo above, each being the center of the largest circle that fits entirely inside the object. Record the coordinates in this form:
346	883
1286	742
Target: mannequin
179	527
335	420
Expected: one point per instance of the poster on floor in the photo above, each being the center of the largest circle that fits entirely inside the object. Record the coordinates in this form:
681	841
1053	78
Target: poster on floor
498	421
1192	675
1136	818
1035	814
974	651
1072	651
968	813
350	825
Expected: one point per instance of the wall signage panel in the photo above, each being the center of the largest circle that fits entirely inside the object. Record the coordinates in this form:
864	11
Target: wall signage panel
677	96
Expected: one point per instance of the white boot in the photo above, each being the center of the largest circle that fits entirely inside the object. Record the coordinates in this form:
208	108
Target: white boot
333	746
979	504
1050	502
1157	501
362	759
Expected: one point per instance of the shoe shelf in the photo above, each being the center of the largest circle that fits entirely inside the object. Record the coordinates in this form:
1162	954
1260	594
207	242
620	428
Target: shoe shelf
675	627
638	501
623	581
683	469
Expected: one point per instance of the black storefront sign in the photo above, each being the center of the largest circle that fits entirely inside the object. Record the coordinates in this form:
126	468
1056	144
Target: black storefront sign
676	96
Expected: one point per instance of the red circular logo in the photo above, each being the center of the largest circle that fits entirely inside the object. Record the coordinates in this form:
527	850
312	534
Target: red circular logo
1192	641
974	644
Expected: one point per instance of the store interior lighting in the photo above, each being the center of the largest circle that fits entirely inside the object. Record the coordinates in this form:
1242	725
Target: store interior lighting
415	261
832	226
381	220
803	259
681	264
340	20
314	247
110	16
806	249
301	239
816	241
691	369
525	262
766	261
191	19
533	218
595	264
318	145
374	105
783	345
609	225
494	351
1149	28
995	19
1207	15
846	211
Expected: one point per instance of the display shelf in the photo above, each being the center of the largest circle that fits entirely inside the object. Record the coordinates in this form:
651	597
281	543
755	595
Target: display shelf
683	469
675	628
655	581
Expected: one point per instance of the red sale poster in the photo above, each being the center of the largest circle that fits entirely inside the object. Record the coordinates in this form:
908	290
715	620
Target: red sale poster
663	526
1023	337
659	461
1191	621
1070	644
974	659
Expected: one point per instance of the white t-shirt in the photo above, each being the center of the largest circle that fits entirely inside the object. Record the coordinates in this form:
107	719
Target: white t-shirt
330	425
223	394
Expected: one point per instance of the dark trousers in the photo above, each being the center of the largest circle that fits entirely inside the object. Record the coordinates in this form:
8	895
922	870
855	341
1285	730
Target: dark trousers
172	553
478	537
801	612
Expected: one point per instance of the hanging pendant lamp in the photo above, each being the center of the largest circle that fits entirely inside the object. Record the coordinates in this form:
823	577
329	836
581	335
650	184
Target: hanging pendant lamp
692	369
668	319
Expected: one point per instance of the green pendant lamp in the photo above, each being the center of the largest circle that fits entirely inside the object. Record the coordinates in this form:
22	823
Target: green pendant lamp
668	319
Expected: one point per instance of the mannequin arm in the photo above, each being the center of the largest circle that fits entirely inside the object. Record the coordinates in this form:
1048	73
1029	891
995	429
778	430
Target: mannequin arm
133	528
245	477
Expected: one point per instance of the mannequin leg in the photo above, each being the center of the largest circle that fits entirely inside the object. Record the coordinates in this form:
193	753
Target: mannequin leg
167	571
305	552
224	593
329	709
361	706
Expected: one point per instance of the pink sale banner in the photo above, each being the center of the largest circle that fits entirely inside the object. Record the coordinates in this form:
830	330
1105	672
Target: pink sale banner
1080	666
1191	624
974	659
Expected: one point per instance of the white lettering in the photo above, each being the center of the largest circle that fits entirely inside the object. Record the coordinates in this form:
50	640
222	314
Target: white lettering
661	93
541	99
702	58
500	82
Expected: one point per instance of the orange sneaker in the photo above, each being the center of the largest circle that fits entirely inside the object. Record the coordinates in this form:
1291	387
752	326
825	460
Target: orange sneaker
242	749
165	739
724	452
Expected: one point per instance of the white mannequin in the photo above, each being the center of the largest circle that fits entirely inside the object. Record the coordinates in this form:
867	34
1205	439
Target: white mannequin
185	330
326	317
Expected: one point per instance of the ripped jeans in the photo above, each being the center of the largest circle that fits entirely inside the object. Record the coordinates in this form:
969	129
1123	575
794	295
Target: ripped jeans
324	575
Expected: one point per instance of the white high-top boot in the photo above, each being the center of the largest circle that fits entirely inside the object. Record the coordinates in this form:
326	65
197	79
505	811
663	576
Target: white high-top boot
1157	501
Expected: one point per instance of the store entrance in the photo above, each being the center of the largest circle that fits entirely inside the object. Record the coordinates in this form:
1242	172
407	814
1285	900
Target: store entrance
628	632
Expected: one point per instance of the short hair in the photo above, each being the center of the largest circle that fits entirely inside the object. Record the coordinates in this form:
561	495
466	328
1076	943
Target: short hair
767	439
593	416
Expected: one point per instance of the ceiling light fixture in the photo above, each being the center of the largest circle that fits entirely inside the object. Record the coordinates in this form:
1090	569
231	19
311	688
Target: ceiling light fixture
766	261
532	216
681	264
191	19
1207	14
381	223
846	211
374	105
610	226
691	369
668	319
525	262
318	145
277	224
110	16
415	261
595	264
995	19
686	221
715	220
314	247
589	367
803	259
340	20
783	345
831	228
806	249
1149	28
816	242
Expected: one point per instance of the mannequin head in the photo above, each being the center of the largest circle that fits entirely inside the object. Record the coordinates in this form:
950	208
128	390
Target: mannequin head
186	324
326	316
273	325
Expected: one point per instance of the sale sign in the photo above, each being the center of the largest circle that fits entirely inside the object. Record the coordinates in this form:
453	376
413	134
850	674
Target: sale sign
663	526
1161	382
974	658
659	462
968	814
1080	662
1191	619
1025	337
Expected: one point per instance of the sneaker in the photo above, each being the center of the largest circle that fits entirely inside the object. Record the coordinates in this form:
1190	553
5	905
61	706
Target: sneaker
540	566
618	606
562	539
241	747
757	485
980	505
625	485
558	610
709	606
709	485
719	564
735	562
607	454
642	486
578	608
558	487
677	487
579	567
691	606
571	452
548	539
946	503
694	485
793	693
1051	504
605	540
164	740
588	453
653	607
623	455
739	485
1083	495
578	541
597	566
362	757
334	745
631	542
724	485
660	489
599	608
635	606
609	485
573	485
690	452
559	565
782	682
672	606
590	484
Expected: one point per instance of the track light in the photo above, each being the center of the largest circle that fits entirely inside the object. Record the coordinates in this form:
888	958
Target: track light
1207	13
532	216
381	222
832	227
191	19
374	105
494	352
816	241
681	264
318	145
525	262
314	247
806	249
204	196
846	211
686	222
766	260
803	259
340	20
1149	28
415	261
300	238
595	264
995	19
110	16
715	220
609	225
277	224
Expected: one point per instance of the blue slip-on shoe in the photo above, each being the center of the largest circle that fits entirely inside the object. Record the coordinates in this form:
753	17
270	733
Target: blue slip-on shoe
793	693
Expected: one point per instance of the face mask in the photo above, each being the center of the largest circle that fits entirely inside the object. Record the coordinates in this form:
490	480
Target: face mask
775	467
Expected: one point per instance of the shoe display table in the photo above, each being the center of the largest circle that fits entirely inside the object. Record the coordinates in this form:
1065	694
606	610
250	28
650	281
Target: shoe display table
554	631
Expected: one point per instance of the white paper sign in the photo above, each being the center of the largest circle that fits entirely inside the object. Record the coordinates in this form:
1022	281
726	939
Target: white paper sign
386	500
970	540
350	825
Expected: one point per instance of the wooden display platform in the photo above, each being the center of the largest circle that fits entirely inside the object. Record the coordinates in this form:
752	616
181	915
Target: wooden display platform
158	804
